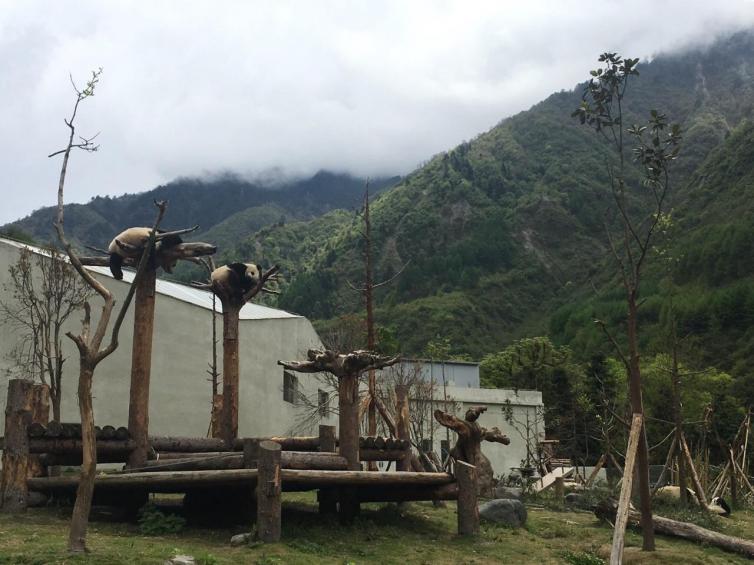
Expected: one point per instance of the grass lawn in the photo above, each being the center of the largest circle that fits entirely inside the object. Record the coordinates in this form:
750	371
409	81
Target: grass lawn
382	534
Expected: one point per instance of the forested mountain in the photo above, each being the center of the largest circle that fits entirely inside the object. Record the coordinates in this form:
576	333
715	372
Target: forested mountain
503	233
227	209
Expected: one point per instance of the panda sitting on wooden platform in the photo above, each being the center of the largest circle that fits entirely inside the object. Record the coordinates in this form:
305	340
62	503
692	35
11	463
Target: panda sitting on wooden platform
129	244
234	280
673	493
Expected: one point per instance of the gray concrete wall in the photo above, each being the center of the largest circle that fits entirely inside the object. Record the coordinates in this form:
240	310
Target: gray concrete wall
180	393
499	403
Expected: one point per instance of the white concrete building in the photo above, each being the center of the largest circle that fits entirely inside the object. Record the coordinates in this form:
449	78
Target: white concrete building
180	392
271	400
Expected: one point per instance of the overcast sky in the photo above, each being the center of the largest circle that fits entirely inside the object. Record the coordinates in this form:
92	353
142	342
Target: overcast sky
196	88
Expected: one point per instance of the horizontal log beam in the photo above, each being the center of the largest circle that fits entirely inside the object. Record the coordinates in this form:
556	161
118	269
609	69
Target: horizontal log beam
382	454
177	481
365	478
208	444
288	460
65	446
180	481
74	459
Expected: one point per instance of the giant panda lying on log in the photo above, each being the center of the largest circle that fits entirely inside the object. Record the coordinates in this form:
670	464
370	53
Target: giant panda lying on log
234	280
673	493
129	244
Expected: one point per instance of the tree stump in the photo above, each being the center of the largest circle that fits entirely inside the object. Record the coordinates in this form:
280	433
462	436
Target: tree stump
468	511
327	497
18	413
468	447
268	492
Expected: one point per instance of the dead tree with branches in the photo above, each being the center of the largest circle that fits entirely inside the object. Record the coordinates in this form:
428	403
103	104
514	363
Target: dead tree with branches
46	291
347	368
89	343
367	291
468	447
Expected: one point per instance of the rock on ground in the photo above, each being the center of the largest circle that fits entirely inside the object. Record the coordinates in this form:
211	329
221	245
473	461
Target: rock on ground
181	560
513	493
240	539
504	511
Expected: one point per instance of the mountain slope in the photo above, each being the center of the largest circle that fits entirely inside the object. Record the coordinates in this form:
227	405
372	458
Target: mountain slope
500	231
226	209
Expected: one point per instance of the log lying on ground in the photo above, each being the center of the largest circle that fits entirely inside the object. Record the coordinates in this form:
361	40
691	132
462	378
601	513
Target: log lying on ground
606	510
365	478
193	444
288	459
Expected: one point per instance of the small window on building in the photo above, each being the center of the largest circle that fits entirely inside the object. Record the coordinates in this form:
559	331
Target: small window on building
323	402
426	445
290	387
444	449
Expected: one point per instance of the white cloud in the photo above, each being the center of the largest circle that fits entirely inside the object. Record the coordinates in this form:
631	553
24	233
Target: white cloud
195	87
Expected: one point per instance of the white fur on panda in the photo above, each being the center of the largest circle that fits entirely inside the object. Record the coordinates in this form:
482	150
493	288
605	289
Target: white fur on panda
135	239
235	279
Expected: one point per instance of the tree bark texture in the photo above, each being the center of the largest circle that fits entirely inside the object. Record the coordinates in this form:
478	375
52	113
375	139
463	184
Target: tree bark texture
18	415
468	445
624	503
269	487
230	371
85	491
637	407
468	511
141	367
402	423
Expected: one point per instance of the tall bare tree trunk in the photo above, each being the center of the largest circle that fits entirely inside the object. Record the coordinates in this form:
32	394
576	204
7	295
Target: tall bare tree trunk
637	407
85	491
141	367
230	371
678	420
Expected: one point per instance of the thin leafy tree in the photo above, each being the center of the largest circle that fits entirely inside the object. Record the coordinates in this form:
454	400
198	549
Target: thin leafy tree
637	209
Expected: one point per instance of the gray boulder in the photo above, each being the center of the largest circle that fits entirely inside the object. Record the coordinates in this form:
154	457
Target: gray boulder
513	493
181	560
508	512
240	539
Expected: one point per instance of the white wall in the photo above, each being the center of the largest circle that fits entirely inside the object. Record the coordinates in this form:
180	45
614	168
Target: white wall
180	393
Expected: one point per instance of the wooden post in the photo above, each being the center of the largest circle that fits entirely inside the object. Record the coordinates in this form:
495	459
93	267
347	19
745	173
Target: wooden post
348	420
468	511
402	423
327	497
141	366
624	503
13	487
230	371
40	414
251	453
268	492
